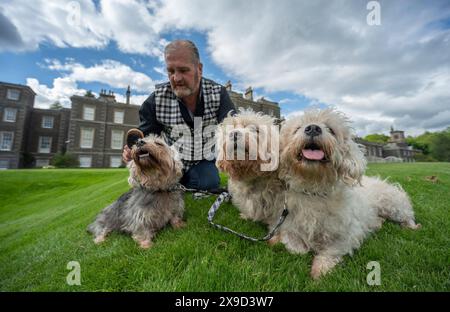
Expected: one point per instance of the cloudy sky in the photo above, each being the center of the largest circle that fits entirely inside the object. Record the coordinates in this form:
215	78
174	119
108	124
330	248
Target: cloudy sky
391	68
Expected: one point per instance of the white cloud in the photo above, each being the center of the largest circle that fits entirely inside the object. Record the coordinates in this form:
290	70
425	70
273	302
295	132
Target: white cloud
130	24
56	22
80	23
65	87
113	73
62	90
396	73
326	51
134	99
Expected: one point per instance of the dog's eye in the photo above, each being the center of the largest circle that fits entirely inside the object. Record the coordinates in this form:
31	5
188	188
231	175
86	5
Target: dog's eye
158	143
330	130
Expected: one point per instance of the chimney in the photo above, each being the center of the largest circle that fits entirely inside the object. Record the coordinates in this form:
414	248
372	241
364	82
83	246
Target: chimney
110	97
249	94
128	95
228	85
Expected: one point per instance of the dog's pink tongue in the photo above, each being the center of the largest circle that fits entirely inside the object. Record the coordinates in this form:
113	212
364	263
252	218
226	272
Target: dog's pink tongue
313	154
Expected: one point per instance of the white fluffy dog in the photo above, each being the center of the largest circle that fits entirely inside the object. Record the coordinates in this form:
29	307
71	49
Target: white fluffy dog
248	149
332	206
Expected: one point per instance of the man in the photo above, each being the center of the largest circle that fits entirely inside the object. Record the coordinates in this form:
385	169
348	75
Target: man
185	110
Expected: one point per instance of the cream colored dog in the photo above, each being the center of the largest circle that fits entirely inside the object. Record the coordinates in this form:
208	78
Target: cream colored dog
332	206
248	150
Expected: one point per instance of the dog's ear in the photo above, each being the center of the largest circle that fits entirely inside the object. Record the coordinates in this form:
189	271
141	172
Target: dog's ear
353	164
133	135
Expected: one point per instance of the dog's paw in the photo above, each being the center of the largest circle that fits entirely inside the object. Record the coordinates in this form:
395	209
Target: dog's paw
99	239
244	216
274	240
412	225
322	265
177	223
145	244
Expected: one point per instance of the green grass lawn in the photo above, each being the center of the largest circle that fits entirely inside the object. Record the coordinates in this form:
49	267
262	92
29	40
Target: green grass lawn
44	214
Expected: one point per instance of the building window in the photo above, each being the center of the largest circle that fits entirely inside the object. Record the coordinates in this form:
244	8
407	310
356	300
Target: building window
13	94
47	122
118	117
116	161
45	144
85	161
10	114
42	163
88	112
6	140
87	137
4	164
117	139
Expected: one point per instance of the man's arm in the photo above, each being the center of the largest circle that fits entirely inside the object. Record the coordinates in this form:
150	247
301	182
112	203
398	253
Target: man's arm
147	116
225	105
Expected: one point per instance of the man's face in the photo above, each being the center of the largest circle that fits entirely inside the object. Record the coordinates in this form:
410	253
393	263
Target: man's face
184	75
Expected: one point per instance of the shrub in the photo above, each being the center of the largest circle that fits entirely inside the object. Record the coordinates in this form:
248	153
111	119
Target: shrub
65	161
424	158
28	160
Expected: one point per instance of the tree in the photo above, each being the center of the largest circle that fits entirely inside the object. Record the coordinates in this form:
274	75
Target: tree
376	138
56	105
89	94
440	145
420	144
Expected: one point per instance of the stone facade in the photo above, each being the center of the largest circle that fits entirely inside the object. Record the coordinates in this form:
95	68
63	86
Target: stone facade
99	142
372	151
47	134
396	148
16	105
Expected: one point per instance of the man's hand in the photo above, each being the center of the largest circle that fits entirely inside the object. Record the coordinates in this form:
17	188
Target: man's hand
126	154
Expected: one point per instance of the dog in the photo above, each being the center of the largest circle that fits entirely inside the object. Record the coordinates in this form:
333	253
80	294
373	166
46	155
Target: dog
248	149
332	205
154	199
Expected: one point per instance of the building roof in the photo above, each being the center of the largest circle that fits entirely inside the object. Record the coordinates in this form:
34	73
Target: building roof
14	85
99	100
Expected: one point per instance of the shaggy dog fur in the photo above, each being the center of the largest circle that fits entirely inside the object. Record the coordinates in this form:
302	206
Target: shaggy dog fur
332	206
153	201
257	193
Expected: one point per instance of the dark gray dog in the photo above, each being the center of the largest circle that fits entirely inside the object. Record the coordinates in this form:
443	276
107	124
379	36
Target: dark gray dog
154	200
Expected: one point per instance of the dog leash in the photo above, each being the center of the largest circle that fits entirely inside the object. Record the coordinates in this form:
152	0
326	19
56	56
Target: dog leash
196	193
226	197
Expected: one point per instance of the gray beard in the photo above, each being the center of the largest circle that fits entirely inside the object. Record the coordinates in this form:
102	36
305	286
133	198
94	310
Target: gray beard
186	91
183	92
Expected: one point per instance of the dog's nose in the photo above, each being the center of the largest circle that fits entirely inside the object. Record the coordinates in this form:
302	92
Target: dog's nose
140	143
313	130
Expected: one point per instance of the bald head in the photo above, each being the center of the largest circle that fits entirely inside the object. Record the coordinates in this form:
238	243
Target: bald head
181	46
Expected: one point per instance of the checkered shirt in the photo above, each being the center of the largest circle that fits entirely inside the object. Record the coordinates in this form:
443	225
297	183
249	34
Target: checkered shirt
196	144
